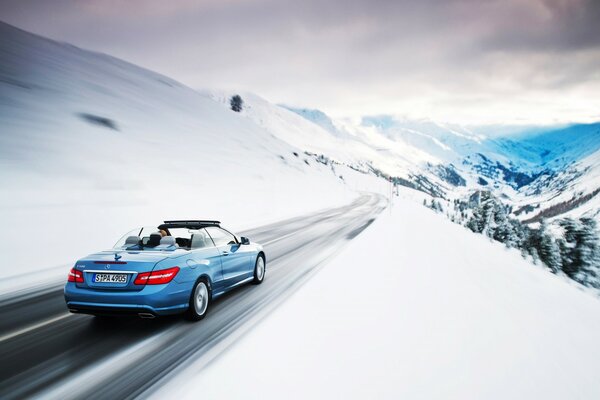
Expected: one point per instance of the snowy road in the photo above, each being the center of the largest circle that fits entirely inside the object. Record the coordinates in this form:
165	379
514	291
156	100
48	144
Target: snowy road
48	352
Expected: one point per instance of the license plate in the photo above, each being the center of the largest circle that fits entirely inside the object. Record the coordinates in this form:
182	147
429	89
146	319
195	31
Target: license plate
110	278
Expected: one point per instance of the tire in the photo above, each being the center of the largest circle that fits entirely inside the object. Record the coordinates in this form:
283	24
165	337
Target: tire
199	301
260	268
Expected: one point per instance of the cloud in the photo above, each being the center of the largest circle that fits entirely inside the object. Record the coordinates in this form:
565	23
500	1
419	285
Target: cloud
455	60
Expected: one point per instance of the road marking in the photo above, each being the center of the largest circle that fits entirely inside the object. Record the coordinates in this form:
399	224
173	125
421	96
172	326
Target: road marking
32	327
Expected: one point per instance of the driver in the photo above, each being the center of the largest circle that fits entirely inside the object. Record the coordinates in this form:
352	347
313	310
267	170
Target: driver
163	233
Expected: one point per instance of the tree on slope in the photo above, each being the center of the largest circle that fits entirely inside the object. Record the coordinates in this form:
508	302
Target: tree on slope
236	103
480	219
580	251
491	219
549	250
587	253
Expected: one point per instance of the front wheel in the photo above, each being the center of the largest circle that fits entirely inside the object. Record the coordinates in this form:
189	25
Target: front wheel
259	270
198	302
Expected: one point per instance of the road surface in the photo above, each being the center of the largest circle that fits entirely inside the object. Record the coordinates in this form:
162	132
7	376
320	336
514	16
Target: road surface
47	352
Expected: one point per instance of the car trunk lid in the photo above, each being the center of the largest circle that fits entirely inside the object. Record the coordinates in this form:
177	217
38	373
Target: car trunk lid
116	270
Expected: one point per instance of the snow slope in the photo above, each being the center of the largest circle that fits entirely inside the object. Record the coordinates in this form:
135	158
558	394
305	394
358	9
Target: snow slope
83	132
92	146
358	148
416	308
564	191
563	146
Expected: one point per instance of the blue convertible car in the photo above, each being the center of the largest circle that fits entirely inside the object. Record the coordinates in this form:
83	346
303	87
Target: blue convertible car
177	267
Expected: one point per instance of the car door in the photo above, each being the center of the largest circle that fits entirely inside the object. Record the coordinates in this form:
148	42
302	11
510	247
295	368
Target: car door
205	258
232	259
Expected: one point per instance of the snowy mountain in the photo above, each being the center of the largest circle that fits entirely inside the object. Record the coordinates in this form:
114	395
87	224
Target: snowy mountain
318	117
555	148
540	171
82	130
84	133
361	149
92	146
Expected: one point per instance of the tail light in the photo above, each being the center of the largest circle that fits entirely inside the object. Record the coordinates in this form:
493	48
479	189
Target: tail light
156	277
75	276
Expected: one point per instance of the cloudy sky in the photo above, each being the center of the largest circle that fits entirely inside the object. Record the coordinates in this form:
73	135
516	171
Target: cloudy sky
465	61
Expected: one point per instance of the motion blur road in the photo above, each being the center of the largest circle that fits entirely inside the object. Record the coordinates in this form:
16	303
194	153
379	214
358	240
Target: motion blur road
47	352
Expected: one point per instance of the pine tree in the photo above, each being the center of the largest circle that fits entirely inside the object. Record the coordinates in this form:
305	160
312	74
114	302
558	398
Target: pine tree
533	243
521	233
503	230
478	221
549	250
566	259
568	247
534	254
587	253
236	103
439	207
580	251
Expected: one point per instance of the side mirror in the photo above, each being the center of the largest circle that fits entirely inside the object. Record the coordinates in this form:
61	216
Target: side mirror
244	240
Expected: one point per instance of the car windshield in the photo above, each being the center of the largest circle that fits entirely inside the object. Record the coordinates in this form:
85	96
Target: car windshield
184	237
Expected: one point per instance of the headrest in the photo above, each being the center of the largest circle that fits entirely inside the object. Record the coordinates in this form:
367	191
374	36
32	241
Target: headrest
167	241
200	240
132	240
154	240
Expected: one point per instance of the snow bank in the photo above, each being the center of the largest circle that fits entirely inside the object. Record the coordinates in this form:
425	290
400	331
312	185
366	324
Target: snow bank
416	307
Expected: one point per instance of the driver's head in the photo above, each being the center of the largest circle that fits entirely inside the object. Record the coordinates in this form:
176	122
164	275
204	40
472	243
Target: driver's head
163	233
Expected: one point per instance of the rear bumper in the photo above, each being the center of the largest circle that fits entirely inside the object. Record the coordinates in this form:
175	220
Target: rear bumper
156	300
123	309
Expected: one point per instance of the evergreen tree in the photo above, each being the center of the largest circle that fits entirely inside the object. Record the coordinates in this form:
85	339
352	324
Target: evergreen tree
236	103
439	207
436	206
503	229
477	222
518	234
577	253
534	254
533	243
568	247
580	251
566	260
549	250
587	253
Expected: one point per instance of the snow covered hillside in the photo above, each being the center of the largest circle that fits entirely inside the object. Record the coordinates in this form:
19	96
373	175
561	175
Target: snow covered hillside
82	131
536	190
92	146
549	170
316	133
419	308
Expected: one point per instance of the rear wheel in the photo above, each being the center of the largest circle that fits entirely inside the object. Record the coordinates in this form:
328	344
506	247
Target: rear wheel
199	301
259	270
